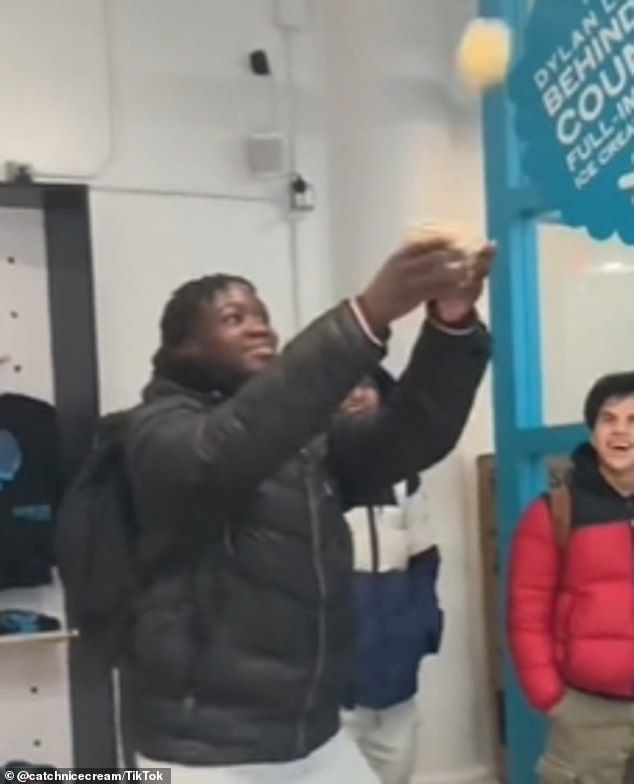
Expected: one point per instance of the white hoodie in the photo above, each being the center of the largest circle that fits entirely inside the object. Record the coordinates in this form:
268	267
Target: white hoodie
402	531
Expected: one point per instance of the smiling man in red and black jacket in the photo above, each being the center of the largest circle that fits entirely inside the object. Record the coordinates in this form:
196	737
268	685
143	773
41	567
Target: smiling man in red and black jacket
571	608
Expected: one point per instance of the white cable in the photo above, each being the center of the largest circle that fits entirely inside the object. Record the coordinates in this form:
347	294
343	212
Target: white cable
291	135
289	85
175	192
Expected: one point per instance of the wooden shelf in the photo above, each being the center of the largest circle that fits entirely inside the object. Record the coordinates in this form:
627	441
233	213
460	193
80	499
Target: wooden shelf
31	638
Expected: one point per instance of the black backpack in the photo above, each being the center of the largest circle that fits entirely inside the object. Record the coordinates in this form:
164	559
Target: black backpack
95	542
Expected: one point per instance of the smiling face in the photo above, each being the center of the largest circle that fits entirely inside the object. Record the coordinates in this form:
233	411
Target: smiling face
613	437
233	335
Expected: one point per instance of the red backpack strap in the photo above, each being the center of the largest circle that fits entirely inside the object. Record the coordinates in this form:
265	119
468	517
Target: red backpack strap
561	513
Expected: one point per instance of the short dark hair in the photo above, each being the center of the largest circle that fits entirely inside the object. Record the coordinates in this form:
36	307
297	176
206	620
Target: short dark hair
181	311
614	385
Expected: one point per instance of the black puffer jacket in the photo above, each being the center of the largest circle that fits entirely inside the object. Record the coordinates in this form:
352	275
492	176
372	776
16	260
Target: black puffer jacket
240	649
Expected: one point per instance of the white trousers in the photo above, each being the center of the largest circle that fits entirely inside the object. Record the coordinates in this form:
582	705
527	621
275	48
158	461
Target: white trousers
338	761
387	739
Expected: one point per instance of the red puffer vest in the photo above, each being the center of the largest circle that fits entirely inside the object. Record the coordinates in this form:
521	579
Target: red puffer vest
570	615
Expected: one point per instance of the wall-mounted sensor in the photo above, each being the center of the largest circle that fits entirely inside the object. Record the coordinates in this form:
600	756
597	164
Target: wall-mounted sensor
18	173
259	63
302	194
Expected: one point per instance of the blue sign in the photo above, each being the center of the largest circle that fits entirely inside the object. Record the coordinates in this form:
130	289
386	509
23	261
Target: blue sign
573	90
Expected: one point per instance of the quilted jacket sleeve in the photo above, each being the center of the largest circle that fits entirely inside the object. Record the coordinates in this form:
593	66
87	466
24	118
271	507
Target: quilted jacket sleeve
532	588
422	419
233	446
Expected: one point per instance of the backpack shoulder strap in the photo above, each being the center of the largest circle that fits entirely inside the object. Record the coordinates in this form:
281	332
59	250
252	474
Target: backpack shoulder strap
561	513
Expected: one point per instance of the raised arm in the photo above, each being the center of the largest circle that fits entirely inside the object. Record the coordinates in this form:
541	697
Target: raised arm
237	443
423	417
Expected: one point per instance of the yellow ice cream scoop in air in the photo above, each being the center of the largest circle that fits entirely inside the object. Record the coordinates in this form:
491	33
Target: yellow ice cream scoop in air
483	56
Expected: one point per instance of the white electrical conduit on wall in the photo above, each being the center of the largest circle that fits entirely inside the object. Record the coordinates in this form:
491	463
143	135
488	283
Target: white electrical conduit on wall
89	177
291	135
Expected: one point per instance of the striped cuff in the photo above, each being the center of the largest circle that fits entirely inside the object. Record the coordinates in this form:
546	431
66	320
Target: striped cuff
465	326
449	330
363	323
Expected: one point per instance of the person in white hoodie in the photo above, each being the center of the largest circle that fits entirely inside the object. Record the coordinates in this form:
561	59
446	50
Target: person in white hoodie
399	620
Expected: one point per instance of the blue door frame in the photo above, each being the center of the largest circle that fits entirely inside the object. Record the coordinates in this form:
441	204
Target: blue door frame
521	438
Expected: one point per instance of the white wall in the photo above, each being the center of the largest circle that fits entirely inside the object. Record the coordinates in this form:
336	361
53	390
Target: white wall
149	101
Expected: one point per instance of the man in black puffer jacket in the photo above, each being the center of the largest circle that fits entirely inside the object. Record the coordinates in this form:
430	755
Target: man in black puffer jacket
242	634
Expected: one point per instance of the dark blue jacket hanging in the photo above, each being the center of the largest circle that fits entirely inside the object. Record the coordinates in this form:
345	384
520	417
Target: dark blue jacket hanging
399	619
